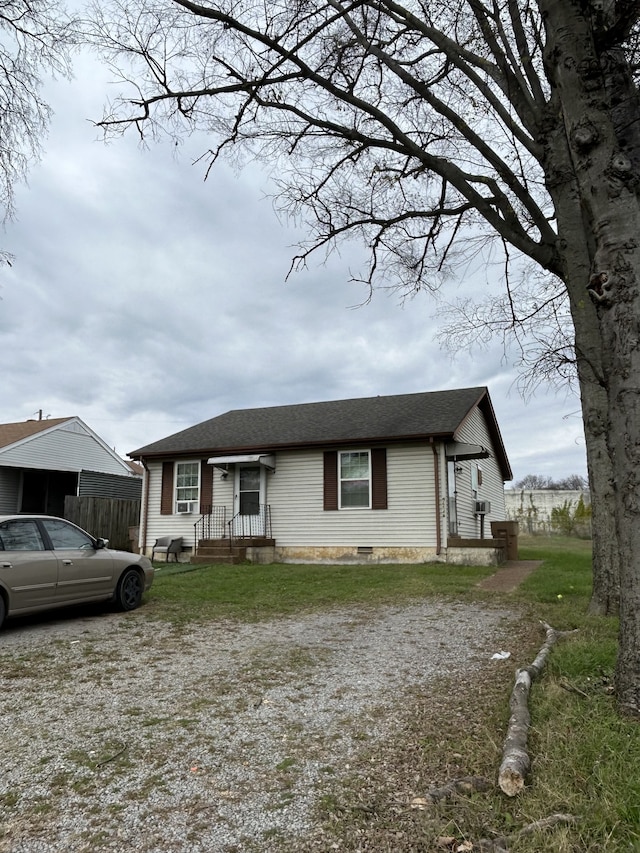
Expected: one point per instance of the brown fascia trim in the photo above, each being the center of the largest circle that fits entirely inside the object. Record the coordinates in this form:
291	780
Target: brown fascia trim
486	407
274	448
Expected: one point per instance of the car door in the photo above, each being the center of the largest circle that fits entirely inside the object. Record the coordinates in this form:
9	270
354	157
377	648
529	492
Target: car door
84	571
28	570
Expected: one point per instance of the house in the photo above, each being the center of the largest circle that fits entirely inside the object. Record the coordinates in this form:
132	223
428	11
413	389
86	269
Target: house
404	478
44	461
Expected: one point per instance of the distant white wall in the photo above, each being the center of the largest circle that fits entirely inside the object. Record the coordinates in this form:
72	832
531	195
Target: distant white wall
535	505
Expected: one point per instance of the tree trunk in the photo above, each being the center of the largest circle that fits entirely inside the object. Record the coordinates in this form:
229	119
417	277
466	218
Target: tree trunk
576	249
596	86
605	596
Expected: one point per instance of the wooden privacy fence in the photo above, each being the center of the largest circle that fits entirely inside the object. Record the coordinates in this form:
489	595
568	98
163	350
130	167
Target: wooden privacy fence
109	518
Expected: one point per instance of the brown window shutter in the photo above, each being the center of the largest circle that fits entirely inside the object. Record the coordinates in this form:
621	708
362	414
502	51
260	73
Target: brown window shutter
379	478
166	496
331	479
206	487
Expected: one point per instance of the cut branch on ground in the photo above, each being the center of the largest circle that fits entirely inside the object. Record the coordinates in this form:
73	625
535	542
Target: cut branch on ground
515	758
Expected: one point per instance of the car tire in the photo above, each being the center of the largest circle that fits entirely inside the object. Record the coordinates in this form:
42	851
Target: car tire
129	591
3	611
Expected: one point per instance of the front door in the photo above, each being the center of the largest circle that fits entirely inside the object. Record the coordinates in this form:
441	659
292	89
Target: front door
249	500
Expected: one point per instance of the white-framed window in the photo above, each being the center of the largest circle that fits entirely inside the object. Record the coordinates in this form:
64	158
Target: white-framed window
187	482
354	478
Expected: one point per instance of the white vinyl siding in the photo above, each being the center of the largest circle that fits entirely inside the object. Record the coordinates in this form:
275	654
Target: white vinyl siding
180	525
163	525
295	494
64	450
9	490
474	431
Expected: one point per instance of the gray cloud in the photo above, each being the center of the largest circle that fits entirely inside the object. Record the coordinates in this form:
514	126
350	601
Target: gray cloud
144	300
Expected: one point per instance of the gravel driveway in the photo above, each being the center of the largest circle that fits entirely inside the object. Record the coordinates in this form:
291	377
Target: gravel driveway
121	733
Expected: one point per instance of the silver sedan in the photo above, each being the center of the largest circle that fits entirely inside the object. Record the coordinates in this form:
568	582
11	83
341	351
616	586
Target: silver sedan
47	562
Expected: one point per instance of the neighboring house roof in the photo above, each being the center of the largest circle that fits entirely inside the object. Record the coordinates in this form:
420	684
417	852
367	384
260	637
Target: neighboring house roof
23	444
12	433
434	414
138	470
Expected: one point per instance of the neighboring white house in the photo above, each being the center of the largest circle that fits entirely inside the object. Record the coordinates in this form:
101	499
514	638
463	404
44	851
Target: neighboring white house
382	479
42	462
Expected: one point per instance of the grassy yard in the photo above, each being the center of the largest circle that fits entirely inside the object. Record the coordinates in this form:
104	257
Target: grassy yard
247	592
585	758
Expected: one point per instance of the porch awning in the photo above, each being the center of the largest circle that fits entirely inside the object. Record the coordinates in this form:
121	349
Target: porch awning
266	459
460	450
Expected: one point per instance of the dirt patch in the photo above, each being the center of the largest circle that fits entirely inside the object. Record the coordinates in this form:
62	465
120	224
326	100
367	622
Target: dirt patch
510	575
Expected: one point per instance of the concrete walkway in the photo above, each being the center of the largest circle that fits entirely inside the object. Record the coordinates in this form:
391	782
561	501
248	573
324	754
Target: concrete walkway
510	575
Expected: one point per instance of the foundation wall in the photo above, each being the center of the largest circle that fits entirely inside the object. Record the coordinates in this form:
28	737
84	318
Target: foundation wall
344	555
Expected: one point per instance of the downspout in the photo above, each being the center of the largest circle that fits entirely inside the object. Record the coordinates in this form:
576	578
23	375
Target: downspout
145	509
436	471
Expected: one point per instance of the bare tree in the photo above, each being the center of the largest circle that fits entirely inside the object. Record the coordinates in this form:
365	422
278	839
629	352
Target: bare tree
575	482
531	317
427	130
35	40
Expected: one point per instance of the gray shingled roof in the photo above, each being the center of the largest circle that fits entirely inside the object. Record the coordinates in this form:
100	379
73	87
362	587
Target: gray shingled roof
437	414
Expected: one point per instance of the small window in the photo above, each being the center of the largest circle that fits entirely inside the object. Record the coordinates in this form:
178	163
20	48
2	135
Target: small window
187	481
355	479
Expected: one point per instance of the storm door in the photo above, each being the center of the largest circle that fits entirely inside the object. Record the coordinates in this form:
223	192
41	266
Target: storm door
249	500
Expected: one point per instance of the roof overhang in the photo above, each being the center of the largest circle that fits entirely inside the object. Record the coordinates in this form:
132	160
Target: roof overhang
266	459
460	450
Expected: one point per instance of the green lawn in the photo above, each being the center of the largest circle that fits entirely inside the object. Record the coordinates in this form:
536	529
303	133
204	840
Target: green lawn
252	592
585	758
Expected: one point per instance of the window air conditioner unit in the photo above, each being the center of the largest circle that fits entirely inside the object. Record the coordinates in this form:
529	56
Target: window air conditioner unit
186	507
481	507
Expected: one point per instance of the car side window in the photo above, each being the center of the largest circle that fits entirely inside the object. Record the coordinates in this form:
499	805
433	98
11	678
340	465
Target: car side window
21	536
65	535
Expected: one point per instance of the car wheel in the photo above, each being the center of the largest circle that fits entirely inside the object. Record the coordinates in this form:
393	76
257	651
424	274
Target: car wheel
3	611
129	591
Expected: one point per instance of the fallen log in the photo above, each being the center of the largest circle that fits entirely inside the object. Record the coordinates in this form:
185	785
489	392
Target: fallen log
515	758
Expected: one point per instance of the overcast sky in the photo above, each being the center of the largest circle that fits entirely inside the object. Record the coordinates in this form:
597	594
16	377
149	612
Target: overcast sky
145	300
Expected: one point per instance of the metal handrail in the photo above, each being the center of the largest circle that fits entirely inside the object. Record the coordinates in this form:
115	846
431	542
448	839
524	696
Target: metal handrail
211	524
256	526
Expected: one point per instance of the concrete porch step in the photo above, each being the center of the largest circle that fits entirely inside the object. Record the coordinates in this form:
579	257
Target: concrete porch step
220	551
227	559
